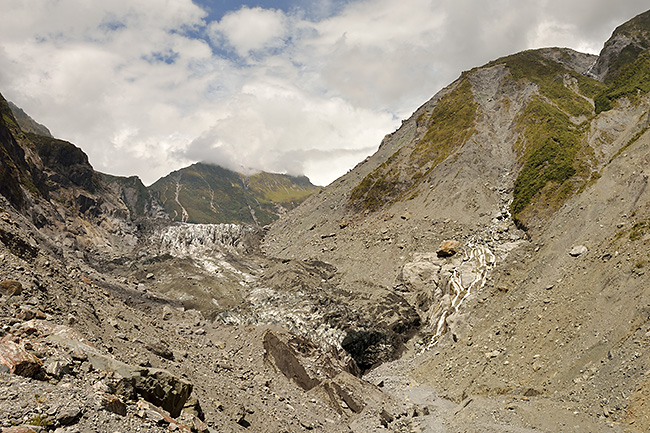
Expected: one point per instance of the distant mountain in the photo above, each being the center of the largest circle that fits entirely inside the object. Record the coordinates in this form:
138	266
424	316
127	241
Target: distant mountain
201	193
204	193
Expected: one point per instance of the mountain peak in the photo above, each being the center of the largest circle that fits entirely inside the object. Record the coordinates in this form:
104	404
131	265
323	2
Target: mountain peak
627	43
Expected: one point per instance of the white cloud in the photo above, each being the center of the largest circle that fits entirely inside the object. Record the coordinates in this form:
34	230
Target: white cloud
249	29
275	126
311	91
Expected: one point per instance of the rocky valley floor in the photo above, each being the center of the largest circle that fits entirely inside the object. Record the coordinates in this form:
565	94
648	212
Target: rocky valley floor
149	344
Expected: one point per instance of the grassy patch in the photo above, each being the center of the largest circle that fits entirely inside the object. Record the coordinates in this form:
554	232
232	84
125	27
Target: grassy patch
40	421
630	82
552	144
450	125
638	230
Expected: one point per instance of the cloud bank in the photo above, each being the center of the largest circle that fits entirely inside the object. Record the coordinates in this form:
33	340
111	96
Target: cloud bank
151	86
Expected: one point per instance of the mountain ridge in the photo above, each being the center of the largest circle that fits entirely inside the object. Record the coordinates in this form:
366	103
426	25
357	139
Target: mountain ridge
538	154
204	193
257	199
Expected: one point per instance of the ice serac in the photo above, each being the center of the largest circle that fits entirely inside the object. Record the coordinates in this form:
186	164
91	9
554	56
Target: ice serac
204	239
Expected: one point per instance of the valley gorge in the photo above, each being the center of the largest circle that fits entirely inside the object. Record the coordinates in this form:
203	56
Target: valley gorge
486	270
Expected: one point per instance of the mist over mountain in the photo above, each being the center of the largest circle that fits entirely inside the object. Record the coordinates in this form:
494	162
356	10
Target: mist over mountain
486	270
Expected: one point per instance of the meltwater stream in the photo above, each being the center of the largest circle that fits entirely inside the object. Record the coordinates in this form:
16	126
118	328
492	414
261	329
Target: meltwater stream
466	278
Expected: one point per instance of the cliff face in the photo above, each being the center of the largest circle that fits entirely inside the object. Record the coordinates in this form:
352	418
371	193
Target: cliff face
627	42
26	123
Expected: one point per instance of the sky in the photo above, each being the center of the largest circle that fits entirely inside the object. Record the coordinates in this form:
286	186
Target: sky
290	86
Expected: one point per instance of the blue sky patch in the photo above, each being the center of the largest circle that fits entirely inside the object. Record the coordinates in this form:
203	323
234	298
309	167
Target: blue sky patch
169	57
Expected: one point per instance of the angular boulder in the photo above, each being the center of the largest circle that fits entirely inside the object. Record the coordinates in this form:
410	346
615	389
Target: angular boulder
18	360
448	248
578	250
110	403
163	389
10	287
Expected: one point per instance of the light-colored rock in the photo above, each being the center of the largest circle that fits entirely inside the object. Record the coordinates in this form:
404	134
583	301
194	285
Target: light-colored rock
57	368
18	360
448	248
578	250
421	274
167	312
18	429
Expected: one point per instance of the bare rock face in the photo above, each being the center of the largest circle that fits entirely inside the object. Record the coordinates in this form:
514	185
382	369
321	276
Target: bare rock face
625	44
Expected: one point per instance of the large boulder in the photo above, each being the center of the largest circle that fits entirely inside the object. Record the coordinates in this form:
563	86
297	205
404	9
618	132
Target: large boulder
19	361
448	248
158	387
163	389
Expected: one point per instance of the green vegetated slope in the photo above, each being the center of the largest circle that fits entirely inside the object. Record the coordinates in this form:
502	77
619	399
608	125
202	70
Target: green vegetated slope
631	81
553	154
449	125
204	193
555	160
551	128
